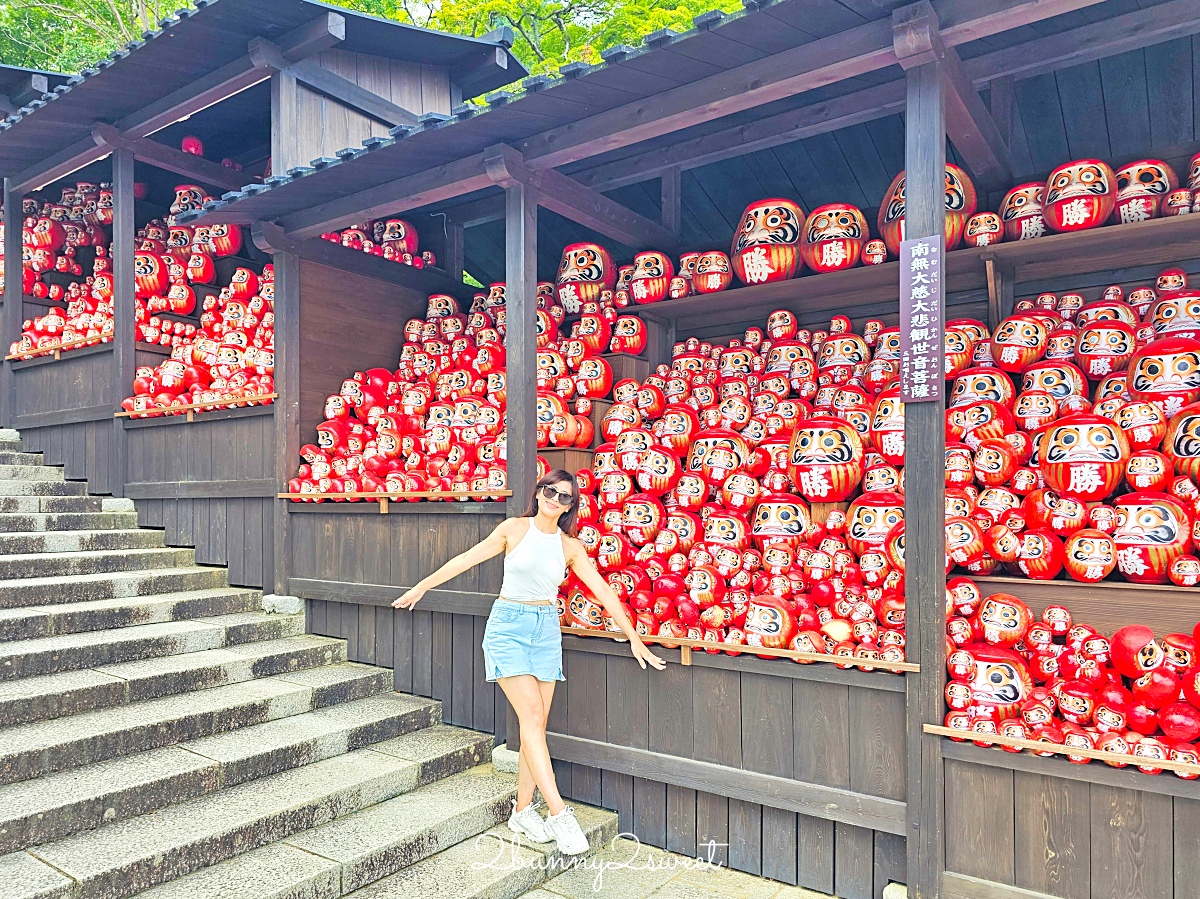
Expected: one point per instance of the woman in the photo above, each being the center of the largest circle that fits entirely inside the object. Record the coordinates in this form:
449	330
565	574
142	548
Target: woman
522	645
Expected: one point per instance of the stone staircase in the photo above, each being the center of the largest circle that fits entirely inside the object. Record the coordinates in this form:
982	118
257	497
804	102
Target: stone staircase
162	736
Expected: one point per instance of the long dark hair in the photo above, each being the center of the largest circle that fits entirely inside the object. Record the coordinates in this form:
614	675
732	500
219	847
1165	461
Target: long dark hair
557	477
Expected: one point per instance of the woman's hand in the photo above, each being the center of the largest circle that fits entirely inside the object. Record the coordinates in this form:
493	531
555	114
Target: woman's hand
410	599
642	653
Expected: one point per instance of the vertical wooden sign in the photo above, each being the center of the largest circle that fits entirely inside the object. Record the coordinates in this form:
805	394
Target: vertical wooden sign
922	350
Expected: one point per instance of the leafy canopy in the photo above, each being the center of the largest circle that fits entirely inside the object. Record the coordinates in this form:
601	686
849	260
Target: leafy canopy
68	35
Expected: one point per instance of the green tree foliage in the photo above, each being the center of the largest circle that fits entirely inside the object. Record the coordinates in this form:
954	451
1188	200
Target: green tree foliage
68	35
549	34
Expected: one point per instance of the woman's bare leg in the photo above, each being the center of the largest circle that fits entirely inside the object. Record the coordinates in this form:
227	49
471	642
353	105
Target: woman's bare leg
525	784
531	701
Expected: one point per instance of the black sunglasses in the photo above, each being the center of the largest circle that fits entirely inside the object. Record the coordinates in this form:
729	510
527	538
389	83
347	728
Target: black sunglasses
563	499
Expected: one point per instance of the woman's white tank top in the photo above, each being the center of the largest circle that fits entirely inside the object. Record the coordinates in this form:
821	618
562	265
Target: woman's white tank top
537	566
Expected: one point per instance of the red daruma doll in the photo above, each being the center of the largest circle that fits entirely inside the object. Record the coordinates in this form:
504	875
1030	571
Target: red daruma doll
767	245
522	644
826	459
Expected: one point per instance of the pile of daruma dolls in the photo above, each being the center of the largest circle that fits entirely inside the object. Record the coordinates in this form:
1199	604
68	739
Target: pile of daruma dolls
52	236
777	240
226	360
1073	445
1062	683
433	424
394	239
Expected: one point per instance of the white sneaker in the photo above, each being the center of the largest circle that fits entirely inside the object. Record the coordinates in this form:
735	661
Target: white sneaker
566	831
528	822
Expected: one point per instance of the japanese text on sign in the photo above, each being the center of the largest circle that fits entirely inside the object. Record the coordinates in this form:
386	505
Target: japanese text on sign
922	353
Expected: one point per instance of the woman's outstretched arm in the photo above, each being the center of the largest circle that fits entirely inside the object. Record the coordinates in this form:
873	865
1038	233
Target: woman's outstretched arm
578	561
492	545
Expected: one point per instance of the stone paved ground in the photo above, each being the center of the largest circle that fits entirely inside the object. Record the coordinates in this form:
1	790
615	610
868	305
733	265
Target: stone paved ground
627	870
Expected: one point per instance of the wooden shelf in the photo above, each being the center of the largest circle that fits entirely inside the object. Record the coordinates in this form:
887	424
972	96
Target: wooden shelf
687	646
425	280
831	292
192	409
1109	605
569	460
624	365
1160	241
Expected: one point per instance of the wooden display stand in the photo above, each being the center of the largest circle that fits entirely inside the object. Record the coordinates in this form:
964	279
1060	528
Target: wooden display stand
570	460
599	410
625	366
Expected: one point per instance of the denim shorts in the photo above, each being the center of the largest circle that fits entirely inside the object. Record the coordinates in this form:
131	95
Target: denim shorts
523	638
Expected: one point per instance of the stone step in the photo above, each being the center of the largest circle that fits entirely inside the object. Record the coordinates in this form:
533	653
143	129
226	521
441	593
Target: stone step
50	808
57	564
253	627
50	473
16	457
43	488
333	859
316	662
129	856
44	747
498	864
29	504
67	521
30	542
20	592
90	649
30	622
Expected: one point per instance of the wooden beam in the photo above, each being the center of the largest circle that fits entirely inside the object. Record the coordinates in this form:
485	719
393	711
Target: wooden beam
59	165
270	238
581	204
124	236
818	118
325	31
856	51
443	182
671	198
346	92
925	576
520	277
12	313
1120	34
968	122
288	368
160	155
817	800
34	87
963	21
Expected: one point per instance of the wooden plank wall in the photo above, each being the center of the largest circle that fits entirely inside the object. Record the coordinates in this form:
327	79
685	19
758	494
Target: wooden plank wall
348	323
64	410
325	126
435	650
748	716
1063	830
209	484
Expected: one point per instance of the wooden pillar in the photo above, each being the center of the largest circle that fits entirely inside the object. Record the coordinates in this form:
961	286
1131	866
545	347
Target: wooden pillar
124	238
924	511
287	405
13	313
284	122
520	345
672	198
